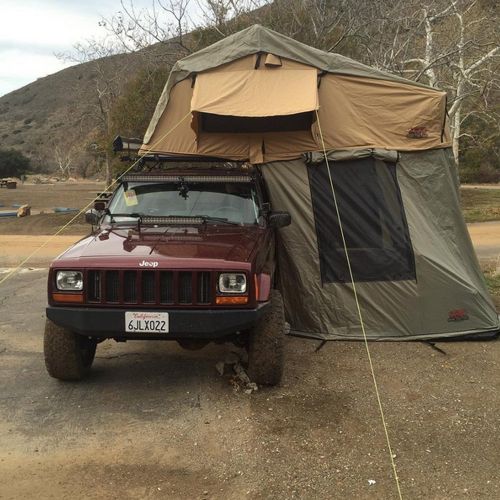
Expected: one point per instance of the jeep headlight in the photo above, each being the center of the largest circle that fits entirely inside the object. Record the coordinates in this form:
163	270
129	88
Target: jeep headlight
69	280
232	283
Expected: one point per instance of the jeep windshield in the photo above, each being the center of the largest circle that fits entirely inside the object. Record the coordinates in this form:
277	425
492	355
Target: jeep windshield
233	202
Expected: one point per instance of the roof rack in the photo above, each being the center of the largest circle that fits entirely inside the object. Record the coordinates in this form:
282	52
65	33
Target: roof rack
131	147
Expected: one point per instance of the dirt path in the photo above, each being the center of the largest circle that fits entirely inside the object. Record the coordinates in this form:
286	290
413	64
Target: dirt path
480	186
486	239
154	421
15	248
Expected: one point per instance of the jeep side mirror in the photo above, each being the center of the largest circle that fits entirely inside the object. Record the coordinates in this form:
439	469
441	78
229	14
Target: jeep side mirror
279	219
99	205
264	209
92	216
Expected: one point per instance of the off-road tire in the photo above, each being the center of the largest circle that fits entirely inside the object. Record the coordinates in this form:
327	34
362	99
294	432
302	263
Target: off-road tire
266	345
68	356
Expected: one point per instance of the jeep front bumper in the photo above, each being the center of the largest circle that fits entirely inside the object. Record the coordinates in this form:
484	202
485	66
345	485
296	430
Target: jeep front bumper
183	323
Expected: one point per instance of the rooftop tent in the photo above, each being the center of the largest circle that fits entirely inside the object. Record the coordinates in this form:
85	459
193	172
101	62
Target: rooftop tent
261	97
253	86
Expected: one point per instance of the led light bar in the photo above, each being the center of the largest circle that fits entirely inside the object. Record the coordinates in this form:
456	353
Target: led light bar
171	220
186	178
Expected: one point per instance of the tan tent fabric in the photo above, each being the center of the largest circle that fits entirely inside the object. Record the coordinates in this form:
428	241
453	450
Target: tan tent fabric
183	139
254	40
261	92
359	109
272	60
354	113
365	112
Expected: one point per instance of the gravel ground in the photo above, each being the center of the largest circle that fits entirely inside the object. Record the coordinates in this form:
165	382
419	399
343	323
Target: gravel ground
154	421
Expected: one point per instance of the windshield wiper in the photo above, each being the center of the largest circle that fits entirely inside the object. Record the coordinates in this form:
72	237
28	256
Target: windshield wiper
209	218
168	218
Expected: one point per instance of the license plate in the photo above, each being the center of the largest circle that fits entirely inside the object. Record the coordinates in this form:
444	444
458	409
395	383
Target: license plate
146	322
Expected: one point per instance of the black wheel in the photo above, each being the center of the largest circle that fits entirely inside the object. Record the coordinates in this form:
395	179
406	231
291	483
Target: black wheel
266	345
68	356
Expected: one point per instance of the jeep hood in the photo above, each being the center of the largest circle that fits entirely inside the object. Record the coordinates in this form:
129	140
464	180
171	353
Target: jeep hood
227	243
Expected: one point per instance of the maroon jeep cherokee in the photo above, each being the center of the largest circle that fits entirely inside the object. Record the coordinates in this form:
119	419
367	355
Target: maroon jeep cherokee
185	254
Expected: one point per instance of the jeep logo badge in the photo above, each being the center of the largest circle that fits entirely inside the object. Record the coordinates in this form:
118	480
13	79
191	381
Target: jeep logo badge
148	264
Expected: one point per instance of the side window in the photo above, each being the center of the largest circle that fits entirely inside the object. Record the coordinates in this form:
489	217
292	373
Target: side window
373	221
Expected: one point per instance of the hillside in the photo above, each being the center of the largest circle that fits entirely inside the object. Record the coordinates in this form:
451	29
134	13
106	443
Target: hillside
61	108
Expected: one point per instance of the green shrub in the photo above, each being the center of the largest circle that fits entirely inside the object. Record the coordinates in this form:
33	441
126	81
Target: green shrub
13	163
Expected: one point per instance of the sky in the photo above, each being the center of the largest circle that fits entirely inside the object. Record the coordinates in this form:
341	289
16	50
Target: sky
33	31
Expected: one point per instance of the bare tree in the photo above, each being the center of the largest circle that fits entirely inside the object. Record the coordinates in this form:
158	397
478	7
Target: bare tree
63	157
165	23
449	44
460	49
108	71
473	70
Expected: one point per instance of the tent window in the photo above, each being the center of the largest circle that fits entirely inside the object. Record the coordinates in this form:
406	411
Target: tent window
249	124
373	220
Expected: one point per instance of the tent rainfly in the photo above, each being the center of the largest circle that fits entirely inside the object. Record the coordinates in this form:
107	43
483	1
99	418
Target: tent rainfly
304	116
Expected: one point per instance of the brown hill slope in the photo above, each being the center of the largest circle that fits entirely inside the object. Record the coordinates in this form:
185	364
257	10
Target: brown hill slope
61	108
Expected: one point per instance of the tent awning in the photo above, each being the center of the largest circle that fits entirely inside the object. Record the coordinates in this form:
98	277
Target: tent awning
256	93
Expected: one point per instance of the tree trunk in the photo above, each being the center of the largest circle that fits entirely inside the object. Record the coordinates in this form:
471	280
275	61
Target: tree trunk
455	134
109	173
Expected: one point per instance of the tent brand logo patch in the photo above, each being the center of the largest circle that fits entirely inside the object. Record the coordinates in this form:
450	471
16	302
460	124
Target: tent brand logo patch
458	315
417	133
145	263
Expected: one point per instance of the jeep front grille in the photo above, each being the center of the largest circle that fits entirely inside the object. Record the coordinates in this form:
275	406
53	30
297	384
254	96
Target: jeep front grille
203	288
166	287
185	288
150	287
94	285
112	286
129	286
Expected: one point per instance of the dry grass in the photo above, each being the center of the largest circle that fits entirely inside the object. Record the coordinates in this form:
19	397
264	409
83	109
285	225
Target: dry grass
45	197
41	224
491	273
493	283
480	205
